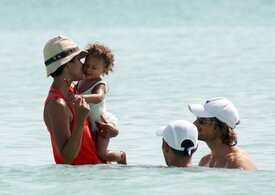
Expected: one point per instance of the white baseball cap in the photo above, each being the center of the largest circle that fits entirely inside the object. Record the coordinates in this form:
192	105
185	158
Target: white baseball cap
218	107
60	50
177	132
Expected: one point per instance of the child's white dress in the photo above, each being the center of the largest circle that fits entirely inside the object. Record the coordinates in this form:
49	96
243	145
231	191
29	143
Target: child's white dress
99	109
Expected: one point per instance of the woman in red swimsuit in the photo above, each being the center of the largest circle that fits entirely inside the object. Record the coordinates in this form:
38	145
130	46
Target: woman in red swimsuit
67	121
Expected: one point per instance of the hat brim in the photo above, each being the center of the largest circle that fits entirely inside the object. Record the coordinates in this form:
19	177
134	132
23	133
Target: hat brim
199	111
160	131
83	53
55	65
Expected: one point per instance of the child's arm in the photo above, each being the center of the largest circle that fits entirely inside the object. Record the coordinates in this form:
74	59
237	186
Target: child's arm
96	96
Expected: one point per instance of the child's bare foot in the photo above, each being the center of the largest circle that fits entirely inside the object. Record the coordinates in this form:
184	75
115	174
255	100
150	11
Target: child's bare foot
123	159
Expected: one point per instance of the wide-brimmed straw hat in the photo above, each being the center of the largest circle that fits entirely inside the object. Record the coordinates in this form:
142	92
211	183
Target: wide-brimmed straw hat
60	50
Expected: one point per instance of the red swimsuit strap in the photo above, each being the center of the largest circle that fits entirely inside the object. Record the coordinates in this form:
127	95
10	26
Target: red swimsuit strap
58	93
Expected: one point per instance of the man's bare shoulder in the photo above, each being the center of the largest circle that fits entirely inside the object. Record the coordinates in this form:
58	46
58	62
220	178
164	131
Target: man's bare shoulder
239	159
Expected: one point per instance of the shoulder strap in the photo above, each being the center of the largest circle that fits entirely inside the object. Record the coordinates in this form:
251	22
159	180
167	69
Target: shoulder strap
57	93
101	82
97	83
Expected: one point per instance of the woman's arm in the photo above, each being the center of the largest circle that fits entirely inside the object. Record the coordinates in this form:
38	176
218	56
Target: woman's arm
68	143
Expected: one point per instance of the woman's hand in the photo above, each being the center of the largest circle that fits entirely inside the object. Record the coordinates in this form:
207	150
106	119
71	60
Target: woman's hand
82	109
105	129
72	98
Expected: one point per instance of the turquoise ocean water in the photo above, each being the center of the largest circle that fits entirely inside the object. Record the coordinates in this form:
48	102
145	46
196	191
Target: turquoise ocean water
168	54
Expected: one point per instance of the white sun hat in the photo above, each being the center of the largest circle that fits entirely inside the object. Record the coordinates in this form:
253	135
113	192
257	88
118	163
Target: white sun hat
176	133
60	50
218	107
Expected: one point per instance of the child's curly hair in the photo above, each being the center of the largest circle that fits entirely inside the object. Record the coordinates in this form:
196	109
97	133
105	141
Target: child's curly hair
101	51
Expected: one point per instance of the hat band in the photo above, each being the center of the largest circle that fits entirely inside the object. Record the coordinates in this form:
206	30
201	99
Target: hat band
61	55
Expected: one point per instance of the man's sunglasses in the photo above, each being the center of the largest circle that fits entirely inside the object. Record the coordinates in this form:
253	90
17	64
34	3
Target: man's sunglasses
203	121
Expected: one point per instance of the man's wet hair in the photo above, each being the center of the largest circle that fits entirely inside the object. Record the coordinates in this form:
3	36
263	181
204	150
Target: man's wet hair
228	135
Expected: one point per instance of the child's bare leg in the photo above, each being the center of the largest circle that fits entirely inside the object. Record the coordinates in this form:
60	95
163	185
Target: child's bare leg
108	155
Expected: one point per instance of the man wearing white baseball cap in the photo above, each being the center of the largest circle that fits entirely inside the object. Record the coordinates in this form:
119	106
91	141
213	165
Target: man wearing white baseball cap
179	142
216	121
67	121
